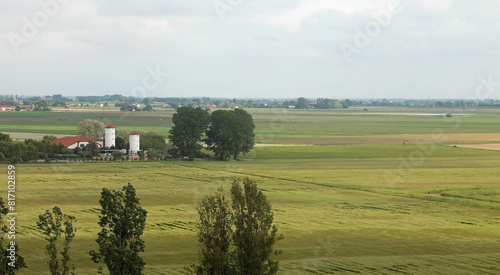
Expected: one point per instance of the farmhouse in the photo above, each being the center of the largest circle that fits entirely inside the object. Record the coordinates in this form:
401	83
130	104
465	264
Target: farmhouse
73	142
4	108
108	141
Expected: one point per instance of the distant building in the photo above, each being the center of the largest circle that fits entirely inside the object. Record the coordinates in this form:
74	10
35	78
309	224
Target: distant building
4	108
109	136
73	142
134	143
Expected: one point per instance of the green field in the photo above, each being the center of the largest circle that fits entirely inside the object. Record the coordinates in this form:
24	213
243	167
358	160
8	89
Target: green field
319	127
360	203
352	214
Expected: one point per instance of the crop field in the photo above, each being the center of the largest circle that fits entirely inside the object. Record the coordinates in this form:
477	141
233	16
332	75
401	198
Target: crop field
352	215
282	126
354	200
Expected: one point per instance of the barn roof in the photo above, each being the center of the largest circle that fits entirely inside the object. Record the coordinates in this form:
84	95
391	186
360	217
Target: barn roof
110	126
67	141
134	133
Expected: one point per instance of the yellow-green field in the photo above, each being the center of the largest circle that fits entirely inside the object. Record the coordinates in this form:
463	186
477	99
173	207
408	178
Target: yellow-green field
362	215
355	201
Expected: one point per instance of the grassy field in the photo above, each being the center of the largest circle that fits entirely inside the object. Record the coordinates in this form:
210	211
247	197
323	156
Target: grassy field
360	203
282	126
356	214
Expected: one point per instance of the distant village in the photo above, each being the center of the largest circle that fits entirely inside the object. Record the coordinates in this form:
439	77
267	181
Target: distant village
136	104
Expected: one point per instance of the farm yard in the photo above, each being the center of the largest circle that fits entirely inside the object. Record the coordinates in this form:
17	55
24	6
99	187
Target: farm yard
354	200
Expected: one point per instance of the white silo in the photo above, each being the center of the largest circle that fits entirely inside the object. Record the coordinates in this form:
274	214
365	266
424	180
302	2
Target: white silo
134	143
109	136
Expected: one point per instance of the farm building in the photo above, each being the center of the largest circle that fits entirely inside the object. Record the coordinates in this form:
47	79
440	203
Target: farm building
73	142
109	136
108	141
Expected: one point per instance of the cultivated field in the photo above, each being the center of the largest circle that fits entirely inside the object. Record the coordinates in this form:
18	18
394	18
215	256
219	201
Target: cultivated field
361	203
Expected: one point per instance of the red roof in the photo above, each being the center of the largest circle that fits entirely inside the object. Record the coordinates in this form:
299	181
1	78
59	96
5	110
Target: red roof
67	141
134	133
110	126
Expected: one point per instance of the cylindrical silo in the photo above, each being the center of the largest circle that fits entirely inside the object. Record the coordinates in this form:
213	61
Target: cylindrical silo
134	142
109	136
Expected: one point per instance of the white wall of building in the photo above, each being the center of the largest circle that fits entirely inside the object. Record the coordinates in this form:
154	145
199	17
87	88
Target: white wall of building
109	137
134	144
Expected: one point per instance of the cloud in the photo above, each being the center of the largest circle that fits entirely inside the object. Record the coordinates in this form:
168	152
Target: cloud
437	5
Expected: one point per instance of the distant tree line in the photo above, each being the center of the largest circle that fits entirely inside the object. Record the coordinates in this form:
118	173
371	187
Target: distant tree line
225	132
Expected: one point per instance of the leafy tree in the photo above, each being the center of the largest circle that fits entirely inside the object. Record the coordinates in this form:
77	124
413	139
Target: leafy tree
94	147
119	143
5	137
214	235
254	235
53	225
148	108
302	103
49	137
91	128
5	243
221	133
244	137
189	125
122	221
230	133
240	239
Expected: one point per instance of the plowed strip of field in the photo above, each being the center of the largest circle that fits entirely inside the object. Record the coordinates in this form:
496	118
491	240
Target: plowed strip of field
495	146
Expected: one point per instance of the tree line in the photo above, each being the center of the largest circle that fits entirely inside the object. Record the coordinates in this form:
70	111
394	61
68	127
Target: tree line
234	238
227	133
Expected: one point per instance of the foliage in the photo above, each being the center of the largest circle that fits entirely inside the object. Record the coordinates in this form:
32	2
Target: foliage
119	143
53	225
94	147
91	128
246	249
302	103
254	235
230	133
5	138
189	125
244	137
220	134
214	235
29	150
122	221
5	268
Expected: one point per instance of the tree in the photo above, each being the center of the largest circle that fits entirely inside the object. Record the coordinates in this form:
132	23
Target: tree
189	125
244	137
214	235
302	103
6	246
53	225
221	133
93	147
254	235
91	128
122	221
5	138
119	143
240	239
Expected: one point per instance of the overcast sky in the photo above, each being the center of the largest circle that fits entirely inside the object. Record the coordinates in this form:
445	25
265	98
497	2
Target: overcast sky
251	48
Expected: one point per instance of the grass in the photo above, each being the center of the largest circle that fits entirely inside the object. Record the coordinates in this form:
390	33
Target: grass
373	206
337	214
379	125
417	152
